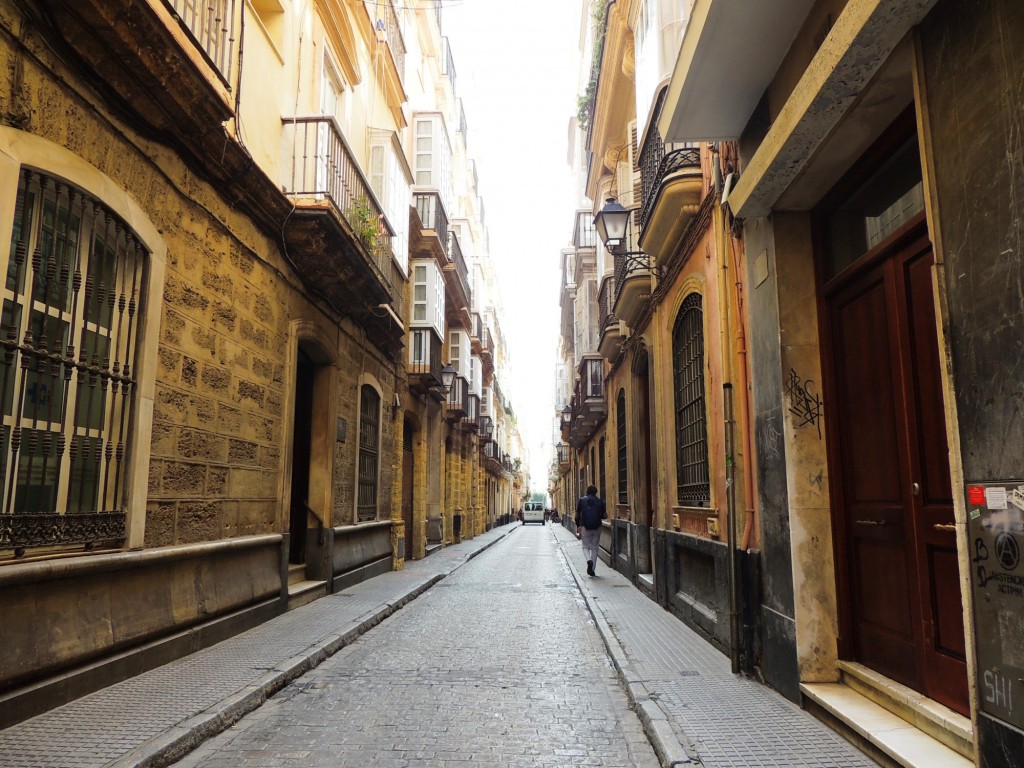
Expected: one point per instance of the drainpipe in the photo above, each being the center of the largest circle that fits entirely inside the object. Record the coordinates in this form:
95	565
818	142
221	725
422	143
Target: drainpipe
730	500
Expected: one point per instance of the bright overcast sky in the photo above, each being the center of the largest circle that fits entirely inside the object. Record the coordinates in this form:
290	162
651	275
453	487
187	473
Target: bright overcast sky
516	67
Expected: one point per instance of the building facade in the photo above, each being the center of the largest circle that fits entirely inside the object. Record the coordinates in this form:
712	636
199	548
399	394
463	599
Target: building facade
851	244
219	392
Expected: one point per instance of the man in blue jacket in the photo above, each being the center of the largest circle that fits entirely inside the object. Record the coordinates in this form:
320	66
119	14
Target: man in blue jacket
590	512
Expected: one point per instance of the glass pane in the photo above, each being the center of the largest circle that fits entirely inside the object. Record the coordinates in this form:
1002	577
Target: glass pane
101	269
887	200
13	283
44	390
10	321
58	241
89	408
83	492
37	472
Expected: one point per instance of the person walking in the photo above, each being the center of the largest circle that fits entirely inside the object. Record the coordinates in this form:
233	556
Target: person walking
590	511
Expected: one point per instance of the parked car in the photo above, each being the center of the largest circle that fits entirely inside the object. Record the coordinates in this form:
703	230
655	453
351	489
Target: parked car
533	512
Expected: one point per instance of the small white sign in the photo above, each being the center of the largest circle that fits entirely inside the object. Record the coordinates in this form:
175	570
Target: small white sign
995	498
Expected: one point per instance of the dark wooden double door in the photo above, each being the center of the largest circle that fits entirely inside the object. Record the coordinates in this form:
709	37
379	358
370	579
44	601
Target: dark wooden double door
899	578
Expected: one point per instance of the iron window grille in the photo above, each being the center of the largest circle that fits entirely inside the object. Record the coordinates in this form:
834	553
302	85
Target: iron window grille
692	475
69	339
620	428
369	454
601	471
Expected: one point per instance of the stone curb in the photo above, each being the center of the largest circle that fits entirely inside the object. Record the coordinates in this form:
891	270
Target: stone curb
182	738
656	723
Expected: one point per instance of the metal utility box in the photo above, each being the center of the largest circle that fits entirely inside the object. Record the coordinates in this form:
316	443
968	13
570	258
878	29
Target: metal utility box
995	525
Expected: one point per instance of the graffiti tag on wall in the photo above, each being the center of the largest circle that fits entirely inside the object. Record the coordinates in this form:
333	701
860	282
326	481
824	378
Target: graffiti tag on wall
804	401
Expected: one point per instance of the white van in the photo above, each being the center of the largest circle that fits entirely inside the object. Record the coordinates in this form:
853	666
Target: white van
533	512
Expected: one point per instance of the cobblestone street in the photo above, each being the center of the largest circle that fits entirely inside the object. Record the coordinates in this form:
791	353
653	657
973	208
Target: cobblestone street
500	664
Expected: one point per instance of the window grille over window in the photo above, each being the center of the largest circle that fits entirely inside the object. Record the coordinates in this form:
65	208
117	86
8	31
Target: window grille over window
620	429
68	332
369	453
693	486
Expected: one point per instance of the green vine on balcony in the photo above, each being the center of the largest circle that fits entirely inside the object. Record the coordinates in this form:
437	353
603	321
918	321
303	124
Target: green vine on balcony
585	102
364	222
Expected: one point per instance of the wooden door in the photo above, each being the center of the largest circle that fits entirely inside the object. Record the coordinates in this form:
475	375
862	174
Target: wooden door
893	485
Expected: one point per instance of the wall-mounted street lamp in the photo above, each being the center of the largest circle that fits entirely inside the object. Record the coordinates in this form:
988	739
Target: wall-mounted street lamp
611	222
447	377
487	428
566	417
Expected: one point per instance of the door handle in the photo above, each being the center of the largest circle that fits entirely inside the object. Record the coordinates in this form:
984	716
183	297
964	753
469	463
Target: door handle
944	527
871	522
915	489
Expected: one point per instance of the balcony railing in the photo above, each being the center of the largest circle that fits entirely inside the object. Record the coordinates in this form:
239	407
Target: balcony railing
675	161
433	216
425	356
463	127
458	398
563	453
324	166
211	23
389	17
605	302
448	63
629	265
472	411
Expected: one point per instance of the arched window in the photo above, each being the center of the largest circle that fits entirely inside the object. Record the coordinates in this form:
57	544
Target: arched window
693	486
71	312
620	427
369	453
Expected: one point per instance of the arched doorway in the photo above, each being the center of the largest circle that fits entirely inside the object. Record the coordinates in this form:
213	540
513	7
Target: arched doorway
313	436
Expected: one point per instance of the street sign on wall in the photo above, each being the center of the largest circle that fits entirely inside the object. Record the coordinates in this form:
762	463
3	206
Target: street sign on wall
995	525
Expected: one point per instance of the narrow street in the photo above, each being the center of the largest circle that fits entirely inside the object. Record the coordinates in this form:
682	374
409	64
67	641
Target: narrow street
500	664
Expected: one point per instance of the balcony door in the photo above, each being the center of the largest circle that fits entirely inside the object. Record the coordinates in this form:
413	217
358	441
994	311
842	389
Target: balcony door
332	104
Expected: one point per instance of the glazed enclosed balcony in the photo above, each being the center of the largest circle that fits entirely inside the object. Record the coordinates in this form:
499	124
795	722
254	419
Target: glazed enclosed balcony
672	185
435	232
338	236
456	282
613	330
458	400
562	450
584	233
470	421
170	61
424	361
589	407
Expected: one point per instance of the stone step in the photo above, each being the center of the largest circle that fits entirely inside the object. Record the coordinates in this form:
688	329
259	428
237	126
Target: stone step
296	573
886	737
304	592
938	721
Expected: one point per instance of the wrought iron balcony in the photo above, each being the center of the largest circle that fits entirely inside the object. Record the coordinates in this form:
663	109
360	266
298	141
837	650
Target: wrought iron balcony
458	399
456	275
448	62
388	18
338	235
434	220
633	285
612	329
470	420
672	184
170	61
589	407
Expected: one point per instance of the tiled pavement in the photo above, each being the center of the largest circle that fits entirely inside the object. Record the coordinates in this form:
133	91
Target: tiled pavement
693	707
694	710
157	716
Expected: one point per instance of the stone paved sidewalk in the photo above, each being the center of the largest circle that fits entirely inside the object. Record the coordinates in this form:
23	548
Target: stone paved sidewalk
695	711
154	718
